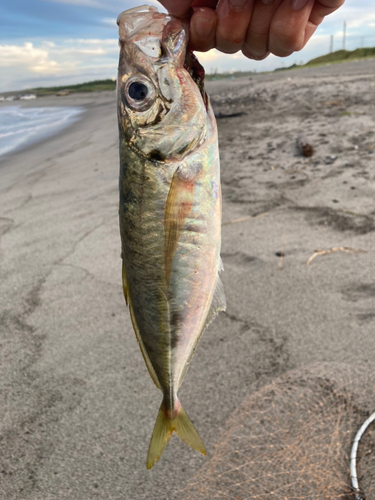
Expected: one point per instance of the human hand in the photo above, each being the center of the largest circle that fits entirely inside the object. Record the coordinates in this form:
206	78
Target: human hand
256	27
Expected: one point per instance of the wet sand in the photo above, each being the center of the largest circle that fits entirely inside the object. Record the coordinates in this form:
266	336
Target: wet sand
77	405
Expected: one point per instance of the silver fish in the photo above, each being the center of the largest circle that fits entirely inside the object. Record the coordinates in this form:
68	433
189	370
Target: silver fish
170	206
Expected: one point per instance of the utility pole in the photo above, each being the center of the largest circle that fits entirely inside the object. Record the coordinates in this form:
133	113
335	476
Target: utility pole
344	37
331	44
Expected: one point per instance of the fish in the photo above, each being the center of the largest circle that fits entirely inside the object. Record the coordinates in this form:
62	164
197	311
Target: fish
170	206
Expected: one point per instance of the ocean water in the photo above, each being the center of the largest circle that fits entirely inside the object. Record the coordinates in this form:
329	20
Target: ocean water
20	127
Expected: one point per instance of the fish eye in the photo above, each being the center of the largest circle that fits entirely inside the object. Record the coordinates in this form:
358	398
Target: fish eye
138	91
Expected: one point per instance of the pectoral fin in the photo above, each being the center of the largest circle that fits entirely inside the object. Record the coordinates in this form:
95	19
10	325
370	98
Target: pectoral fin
177	208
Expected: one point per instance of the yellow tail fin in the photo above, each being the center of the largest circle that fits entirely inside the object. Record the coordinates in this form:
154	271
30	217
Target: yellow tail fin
163	430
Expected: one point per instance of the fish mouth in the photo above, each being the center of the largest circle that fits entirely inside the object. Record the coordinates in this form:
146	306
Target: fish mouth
141	22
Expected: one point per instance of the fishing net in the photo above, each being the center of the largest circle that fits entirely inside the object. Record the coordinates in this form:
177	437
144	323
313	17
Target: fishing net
291	440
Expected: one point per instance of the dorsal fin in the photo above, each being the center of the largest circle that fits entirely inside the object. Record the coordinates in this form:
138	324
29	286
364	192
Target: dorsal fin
218	303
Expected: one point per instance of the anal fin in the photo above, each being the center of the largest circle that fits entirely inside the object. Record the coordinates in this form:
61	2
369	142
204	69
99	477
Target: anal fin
136	330
124	283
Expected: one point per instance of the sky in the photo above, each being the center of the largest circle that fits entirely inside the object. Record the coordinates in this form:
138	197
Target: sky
56	42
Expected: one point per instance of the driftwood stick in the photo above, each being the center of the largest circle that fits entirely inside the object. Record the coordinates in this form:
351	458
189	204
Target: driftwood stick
242	219
332	250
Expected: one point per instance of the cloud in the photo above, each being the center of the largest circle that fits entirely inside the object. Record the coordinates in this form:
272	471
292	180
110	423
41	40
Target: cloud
115	5
48	44
356	13
110	21
31	58
23	65
210	56
90	41
82	3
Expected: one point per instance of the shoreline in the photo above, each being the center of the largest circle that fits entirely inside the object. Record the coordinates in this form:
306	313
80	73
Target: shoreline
86	101
30	132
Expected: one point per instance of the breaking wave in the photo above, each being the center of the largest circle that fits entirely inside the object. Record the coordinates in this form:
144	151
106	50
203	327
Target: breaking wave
20	127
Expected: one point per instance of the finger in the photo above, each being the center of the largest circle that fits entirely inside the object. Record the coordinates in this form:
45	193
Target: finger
332	4
309	31
202	29
256	41
288	27
178	8
233	17
324	8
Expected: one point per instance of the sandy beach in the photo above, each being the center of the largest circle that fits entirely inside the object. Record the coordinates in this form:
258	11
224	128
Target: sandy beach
77	406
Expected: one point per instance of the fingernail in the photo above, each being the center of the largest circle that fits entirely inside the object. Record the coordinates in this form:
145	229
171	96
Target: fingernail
238	4
299	4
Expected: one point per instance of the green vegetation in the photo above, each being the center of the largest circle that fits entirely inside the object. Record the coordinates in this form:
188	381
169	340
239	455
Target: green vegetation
95	86
343	55
336	57
227	75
